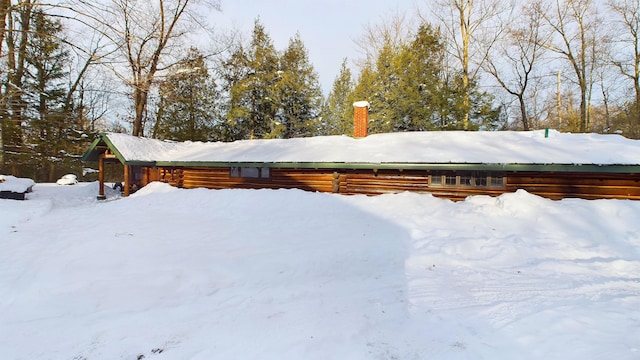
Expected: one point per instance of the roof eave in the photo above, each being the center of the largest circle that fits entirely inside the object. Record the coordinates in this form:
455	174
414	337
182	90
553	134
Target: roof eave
580	168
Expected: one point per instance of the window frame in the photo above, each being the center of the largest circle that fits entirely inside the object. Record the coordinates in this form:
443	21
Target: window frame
467	179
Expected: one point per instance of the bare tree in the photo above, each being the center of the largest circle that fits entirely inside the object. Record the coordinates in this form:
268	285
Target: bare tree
578	40
146	36
394	30
627	14
473	27
515	58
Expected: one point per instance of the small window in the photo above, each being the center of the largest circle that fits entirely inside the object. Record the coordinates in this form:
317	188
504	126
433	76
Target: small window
480	181
497	181
436	179
249	172
477	179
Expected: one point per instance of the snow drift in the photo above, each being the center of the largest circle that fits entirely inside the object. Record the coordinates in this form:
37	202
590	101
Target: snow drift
285	274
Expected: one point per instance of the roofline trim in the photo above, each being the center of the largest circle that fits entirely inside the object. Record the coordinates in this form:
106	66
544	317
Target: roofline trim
582	168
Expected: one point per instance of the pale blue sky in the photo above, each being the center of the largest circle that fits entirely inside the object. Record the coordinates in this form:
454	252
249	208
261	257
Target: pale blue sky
327	28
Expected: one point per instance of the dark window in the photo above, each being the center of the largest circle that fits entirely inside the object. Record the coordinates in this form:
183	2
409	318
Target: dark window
480	181
465	179
250	172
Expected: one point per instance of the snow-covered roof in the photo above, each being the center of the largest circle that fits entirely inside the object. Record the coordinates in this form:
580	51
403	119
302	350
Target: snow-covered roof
449	147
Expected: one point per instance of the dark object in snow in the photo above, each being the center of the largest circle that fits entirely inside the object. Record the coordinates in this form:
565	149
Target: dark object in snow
12	195
15	188
118	186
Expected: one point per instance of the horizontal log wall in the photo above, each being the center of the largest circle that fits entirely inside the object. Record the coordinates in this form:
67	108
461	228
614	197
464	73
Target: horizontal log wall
374	182
580	185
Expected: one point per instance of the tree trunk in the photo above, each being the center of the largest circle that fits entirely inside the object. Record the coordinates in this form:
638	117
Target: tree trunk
4	10
140	96
465	35
523	113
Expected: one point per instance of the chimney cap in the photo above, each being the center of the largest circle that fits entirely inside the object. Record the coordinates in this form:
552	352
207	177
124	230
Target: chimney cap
361	104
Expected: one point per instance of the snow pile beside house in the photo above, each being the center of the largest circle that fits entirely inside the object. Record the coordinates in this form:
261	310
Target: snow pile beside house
285	274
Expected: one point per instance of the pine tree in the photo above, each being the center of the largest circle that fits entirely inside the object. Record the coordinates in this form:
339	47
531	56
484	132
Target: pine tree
13	106
51	129
409	89
337	115
188	98
420	63
252	111
299	95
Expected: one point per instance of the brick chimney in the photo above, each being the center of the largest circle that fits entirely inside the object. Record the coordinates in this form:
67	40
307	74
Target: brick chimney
360	119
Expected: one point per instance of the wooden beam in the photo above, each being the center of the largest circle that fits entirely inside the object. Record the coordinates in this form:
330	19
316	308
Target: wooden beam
127	181
101	195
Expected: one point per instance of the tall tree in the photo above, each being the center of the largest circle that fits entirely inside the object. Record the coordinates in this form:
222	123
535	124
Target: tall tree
410	89
252	112
627	15
337	114
4	11
420	80
394	31
514	60
472	28
577	38
12	107
188	99
146	36
299	95
50	129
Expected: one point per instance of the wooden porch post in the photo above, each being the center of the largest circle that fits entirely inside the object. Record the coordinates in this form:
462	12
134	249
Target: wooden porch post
127	181
101	177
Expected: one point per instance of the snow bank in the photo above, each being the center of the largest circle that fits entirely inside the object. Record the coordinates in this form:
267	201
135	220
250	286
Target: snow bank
170	273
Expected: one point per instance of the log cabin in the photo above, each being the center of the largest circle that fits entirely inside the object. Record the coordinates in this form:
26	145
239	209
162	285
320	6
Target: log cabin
451	164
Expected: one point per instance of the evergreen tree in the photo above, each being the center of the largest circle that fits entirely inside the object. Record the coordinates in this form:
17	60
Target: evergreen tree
409	89
233	71
252	111
51	129
13	155
364	91
188	98
421	64
385	93
337	114
299	93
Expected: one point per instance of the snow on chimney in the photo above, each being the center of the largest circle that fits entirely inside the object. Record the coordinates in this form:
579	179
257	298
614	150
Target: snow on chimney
360	118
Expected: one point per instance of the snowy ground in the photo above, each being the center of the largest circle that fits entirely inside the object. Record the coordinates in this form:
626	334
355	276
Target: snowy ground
286	274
